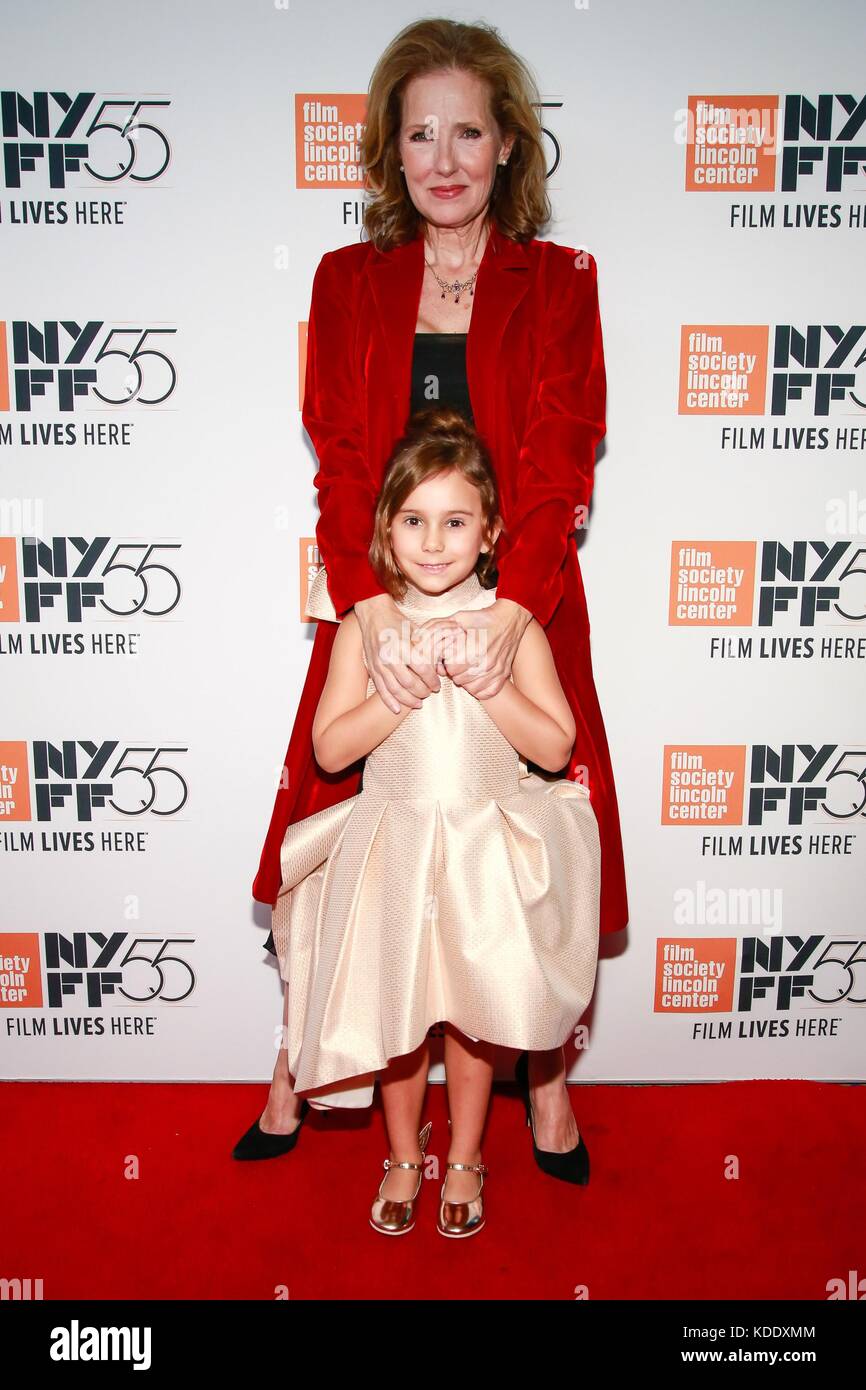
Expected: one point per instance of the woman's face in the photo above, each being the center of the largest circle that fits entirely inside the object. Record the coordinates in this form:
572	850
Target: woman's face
437	534
449	147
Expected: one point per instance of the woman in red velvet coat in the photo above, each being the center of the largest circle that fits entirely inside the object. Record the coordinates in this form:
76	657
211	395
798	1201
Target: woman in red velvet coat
459	176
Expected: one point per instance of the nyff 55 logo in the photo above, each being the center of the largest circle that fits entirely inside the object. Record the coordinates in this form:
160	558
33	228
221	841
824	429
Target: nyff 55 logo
49	135
797	784
733	143
66	576
725	368
89	968
712	975
74	778
63	361
769	583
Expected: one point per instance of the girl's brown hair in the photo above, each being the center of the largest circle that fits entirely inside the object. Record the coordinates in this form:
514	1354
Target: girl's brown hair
519	203
436	440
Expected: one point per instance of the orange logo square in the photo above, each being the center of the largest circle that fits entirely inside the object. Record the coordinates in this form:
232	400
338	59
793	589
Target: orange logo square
14	782
20	971
723	368
731	144
310	563
703	784
10	602
712	583
328	131
695	975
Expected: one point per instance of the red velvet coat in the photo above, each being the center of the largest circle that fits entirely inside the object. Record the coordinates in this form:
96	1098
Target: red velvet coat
536	376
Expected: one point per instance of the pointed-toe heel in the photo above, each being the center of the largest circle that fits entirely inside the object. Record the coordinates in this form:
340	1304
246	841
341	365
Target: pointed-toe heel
571	1166
257	1143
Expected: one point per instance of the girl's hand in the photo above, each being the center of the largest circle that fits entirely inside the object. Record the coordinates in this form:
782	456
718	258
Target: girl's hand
480	662
442	640
401	679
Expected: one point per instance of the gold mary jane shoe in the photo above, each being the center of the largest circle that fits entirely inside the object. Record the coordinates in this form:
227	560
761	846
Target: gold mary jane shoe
462	1218
395	1218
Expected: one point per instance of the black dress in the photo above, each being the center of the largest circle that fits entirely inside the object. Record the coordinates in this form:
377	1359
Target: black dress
442	357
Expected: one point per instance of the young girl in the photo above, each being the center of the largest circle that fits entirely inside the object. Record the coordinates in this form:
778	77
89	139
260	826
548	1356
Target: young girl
456	886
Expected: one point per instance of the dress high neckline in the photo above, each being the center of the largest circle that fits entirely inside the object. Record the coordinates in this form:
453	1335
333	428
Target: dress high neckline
450	600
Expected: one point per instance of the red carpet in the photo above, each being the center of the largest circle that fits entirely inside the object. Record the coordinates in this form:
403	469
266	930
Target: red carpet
659	1219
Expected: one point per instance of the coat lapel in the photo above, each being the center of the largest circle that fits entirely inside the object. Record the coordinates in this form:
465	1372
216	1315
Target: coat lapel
395	281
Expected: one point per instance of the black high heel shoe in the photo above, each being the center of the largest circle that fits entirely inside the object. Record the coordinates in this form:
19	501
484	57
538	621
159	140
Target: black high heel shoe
571	1166
257	1143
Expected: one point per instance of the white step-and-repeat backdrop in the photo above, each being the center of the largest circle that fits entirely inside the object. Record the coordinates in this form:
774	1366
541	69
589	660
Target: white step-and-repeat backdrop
171	176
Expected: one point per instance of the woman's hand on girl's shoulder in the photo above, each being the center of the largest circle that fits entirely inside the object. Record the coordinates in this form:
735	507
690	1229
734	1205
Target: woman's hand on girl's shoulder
438	643
493	637
401	683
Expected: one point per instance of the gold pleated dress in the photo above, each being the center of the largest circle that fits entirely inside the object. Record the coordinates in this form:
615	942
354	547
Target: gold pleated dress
456	886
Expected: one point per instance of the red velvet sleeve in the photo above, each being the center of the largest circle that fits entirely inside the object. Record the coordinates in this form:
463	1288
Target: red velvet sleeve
334	417
556	463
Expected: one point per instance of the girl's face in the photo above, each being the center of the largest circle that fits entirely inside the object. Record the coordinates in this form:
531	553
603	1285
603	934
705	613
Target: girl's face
437	534
449	146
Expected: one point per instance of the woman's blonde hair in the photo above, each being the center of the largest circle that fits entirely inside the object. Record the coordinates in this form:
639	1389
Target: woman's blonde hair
436	440
519	203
